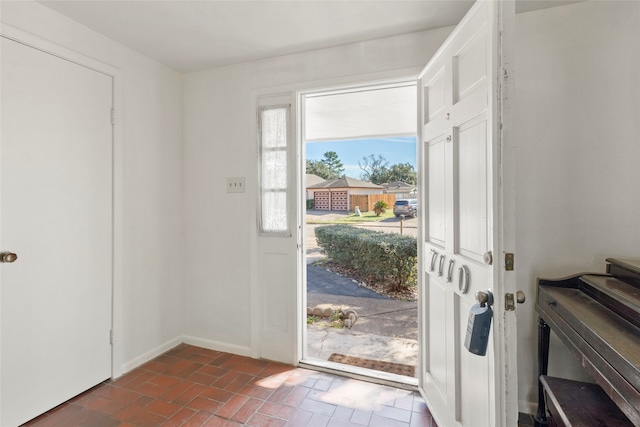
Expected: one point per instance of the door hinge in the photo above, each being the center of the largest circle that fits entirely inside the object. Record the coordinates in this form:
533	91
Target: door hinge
509	261
113	116
111	336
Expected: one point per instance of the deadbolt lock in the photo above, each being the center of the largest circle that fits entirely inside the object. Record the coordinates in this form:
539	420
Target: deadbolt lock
509	261
511	299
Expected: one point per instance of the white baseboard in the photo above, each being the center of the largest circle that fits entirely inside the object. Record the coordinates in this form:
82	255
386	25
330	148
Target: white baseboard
218	346
151	354
199	342
527	407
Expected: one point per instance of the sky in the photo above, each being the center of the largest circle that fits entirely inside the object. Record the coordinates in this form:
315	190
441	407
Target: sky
395	150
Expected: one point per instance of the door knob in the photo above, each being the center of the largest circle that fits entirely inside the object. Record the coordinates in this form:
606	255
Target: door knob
520	297
8	257
484	298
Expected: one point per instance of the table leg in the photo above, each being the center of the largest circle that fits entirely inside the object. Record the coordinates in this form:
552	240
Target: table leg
543	363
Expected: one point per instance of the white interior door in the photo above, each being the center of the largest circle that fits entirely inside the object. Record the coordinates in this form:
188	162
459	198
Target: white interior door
463	228
56	215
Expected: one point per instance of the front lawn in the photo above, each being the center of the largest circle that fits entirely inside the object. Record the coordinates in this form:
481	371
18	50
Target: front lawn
366	217
353	218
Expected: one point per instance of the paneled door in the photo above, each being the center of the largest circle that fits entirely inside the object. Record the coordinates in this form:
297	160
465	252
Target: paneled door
56	216
460	97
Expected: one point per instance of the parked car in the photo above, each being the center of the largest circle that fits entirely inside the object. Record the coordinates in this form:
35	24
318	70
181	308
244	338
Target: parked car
406	207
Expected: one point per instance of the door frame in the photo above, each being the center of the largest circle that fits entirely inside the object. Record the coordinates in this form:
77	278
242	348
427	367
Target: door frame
260	286
401	78
35	42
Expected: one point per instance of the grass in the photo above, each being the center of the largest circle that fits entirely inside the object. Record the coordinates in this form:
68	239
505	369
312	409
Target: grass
355	219
366	217
334	321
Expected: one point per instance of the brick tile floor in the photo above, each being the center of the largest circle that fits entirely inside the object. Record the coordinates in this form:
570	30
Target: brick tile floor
192	386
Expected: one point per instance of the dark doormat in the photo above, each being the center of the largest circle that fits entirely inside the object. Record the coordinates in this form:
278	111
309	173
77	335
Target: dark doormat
392	368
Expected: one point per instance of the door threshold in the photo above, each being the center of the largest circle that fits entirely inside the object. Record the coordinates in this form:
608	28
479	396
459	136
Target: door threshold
364	374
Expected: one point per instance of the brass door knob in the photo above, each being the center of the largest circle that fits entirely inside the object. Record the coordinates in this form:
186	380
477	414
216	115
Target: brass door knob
8	257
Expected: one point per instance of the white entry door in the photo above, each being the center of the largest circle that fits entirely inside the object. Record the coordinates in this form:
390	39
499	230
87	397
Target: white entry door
56	215
463	239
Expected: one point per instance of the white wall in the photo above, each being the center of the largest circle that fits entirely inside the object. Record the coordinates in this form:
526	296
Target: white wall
578	145
219	142
577	112
150	302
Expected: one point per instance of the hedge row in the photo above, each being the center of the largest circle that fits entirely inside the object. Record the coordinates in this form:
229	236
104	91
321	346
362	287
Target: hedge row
385	257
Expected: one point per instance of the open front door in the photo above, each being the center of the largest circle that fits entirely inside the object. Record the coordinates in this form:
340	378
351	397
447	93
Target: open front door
467	223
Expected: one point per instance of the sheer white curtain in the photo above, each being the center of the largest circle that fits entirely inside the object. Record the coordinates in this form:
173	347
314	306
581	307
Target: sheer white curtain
273	137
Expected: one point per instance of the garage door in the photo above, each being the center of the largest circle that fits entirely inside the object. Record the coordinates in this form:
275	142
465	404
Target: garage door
339	201
321	200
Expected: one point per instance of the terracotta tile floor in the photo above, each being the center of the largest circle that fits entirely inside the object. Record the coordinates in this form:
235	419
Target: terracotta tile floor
192	386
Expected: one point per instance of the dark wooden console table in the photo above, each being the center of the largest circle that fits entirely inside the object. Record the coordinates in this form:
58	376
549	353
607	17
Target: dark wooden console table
597	316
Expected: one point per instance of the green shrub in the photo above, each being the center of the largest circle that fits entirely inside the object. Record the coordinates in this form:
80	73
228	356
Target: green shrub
385	257
380	207
310	203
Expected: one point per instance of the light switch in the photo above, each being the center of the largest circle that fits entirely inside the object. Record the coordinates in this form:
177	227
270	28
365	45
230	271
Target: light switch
235	184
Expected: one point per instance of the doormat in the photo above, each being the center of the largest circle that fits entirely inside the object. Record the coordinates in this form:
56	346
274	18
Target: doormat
392	368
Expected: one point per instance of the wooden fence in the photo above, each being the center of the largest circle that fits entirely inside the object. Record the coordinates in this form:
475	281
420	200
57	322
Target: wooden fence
366	201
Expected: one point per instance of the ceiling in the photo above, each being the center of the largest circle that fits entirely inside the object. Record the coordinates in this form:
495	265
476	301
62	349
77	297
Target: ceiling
377	112
191	35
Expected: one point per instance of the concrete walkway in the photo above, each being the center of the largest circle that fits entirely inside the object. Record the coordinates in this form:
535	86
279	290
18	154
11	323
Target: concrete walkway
322	341
386	329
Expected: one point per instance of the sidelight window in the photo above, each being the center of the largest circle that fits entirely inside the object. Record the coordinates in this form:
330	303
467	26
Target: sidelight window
273	139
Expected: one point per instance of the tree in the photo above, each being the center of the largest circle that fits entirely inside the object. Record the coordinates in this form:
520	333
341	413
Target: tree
400	172
330	167
373	168
316	167
333	163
